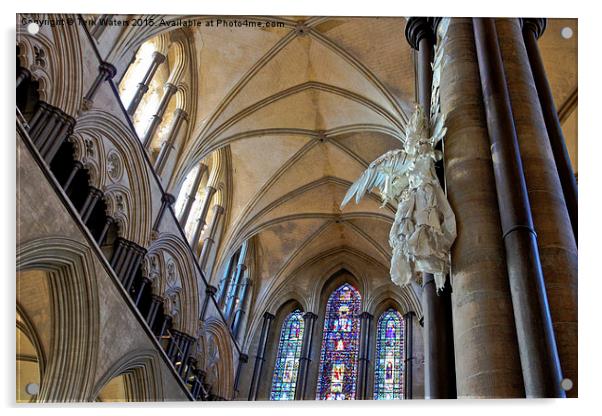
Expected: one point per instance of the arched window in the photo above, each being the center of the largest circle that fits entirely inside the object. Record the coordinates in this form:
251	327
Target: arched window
286	368
339	355
388	377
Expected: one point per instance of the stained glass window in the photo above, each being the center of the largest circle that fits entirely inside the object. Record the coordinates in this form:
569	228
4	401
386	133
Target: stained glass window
340	343
287	360
388	378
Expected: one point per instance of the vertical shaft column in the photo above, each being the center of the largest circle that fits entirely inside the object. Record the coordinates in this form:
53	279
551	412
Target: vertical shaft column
242	360
209	293
309	319
94	196
239	314
439	367
260	357
537	346
151	316
551	217
106	71
202	218
364	353
210	240
233	289
142	88
170	90
191	197
179	117
408	353
166	199
478	257
532	30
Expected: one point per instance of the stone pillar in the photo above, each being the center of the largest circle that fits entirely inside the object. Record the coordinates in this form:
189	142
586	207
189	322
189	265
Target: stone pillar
364	354
22	75
537	346
234	284
103	234
555	238
408	353
94	195
106	71
126	260
190	198
209	293
240	312
166	199
48	129
260	357
77	165
482	307
145	282
242	360
151	315
532	30
309	319
225	282
210	240
439	365
158	59
179	117
202	218
170	90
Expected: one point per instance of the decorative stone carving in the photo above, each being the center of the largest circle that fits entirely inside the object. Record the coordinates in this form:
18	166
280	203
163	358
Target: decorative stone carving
425	226
39	57
114	166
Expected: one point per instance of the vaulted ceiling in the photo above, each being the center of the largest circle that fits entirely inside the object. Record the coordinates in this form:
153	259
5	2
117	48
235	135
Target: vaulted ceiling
305	108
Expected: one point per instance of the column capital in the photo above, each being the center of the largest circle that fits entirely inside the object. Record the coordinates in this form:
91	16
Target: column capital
169	198
107	69
268	316
418	28
218	209
158	57
181	113
210	290
243	358
310	316
366	315
170	88
409	313
535	25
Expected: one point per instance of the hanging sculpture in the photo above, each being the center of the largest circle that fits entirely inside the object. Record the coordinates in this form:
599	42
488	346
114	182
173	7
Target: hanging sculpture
425	226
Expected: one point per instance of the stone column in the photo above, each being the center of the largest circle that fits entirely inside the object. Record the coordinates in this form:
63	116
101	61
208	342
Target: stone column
94	195
179	117
145	282
192	196
537	346
106	71
532	30
439	365
151	315
364	354
481	300
170	90
77	165
202	218
166	199
209	293
22	75
408	353
309	319
234	284
103	234
240	312
555	238
210	240
260	357
157	60
242	360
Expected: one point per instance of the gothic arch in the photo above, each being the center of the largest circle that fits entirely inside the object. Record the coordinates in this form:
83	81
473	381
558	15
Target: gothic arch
74	316
142	374
219	364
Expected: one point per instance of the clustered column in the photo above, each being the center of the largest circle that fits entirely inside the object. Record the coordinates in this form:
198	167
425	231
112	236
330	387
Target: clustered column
487	363
157	60
408	353
364	353
439	366
202	218
537	345
260	358
555	236
170	90
191	197
179	117
218	211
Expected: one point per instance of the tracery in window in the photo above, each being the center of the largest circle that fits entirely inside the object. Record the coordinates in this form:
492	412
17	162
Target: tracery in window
388	366
286	367
340	343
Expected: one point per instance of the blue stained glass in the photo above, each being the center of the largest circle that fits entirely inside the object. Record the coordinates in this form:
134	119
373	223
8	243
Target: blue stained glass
389	371
340	344
287	360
